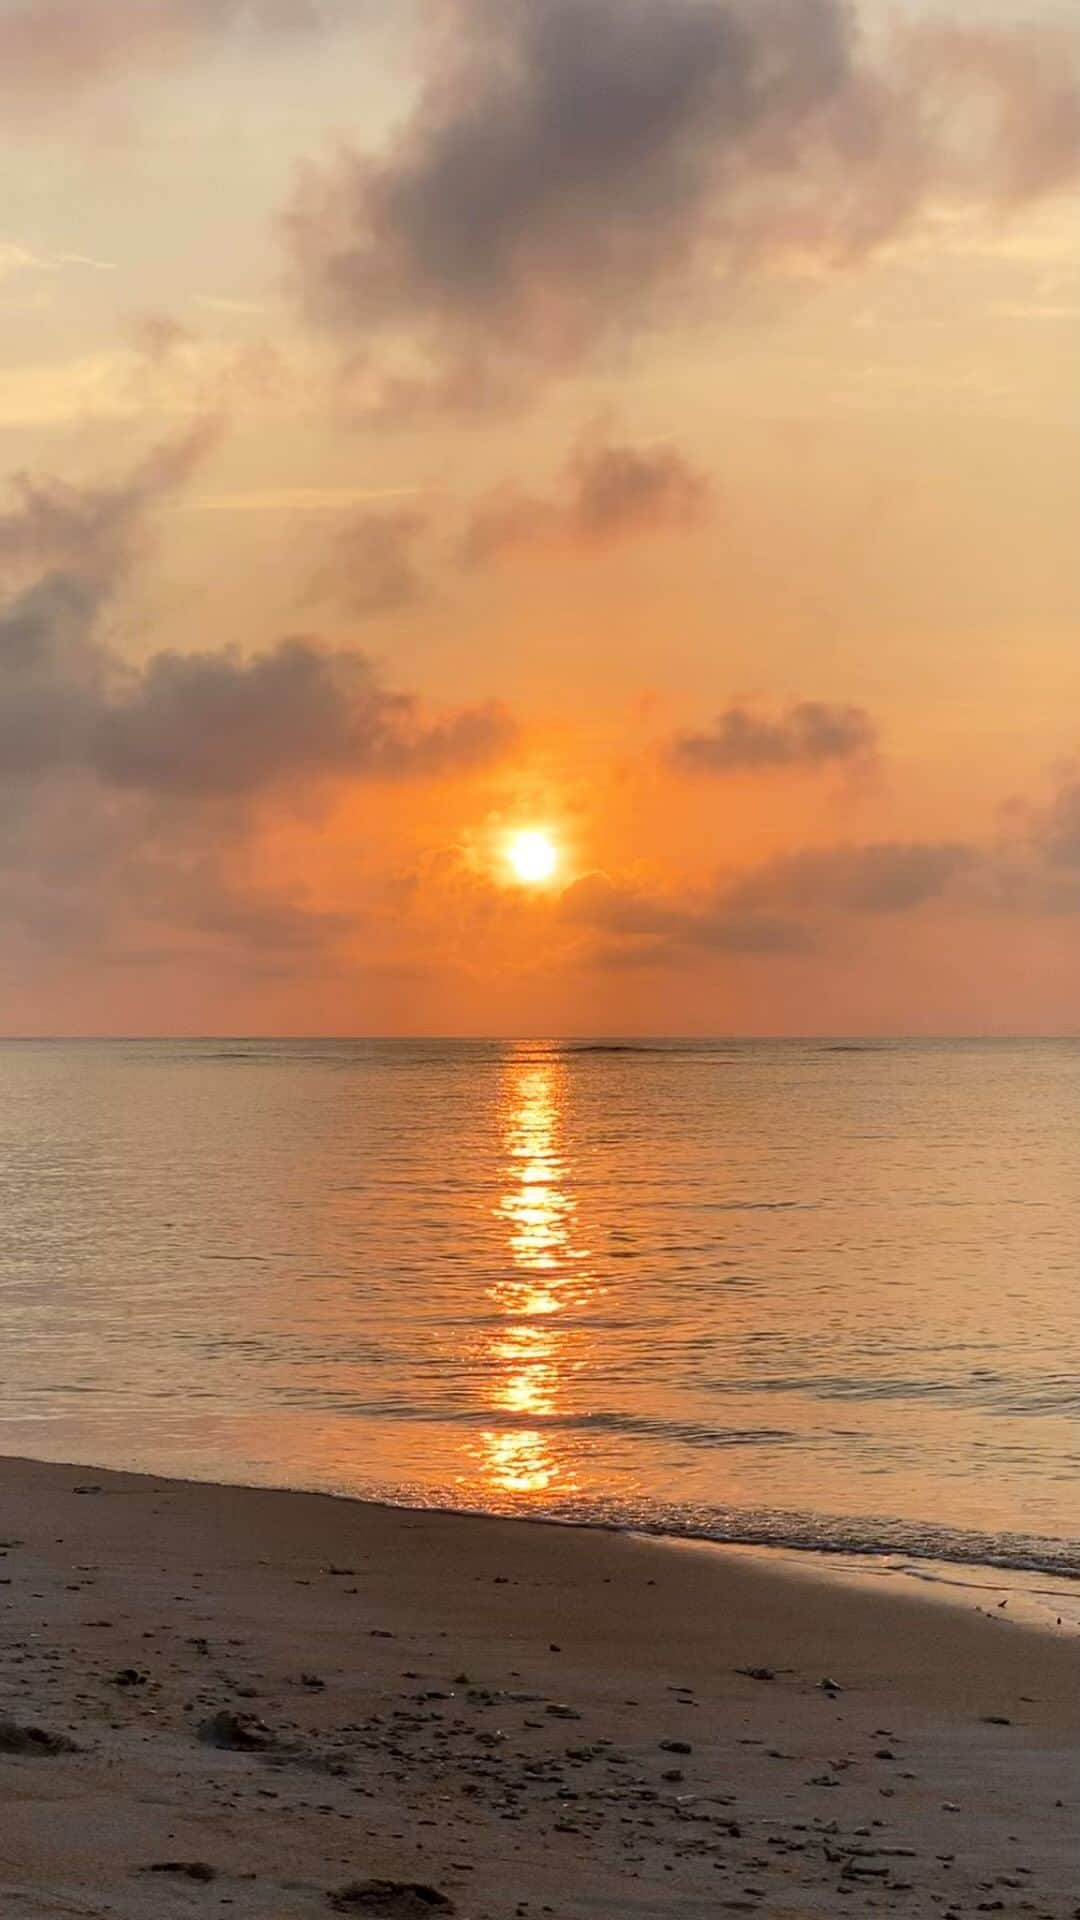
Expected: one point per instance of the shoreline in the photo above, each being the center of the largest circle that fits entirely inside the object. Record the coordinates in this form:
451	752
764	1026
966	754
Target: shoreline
522	1718
955	1580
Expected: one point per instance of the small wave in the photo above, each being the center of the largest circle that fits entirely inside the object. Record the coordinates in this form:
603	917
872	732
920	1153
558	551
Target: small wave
667	1050
879	1538
620	1046
872	1538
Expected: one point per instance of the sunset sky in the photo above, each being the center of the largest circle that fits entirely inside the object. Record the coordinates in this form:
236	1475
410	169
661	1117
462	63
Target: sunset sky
648	424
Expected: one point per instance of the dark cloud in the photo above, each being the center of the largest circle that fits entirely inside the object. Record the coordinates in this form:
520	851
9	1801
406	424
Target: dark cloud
374	566
219	723
569	164
52	676
651	926
810	734
612	492
889	877
780	908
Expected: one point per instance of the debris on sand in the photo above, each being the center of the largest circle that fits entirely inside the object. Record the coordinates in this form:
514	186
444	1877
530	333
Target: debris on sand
390	1899
130	1677
237	1732
32	1741
184	1869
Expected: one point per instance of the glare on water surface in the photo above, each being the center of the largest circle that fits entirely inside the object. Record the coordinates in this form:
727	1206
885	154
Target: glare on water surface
547	1273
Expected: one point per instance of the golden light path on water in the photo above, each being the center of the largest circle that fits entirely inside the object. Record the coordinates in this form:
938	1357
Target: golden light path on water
530	1354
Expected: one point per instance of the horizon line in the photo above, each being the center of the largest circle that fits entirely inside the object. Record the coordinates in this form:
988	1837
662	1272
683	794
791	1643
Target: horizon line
526	1038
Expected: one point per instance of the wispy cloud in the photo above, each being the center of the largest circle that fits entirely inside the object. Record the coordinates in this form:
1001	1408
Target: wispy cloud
321	500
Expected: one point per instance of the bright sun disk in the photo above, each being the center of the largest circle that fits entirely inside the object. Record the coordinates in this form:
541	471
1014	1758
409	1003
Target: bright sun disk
533	857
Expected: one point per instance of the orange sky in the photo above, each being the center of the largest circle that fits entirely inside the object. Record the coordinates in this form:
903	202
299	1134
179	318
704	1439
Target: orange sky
652	425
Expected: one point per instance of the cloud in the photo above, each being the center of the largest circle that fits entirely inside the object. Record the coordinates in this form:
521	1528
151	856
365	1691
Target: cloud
810	734
779	908
158	336
15	259
570	166
373	567
52	525
613	492
207	722
1059	829
651	927
260	919
97	878
212	723
1035	867
1024	79
324	500
52	49
883	878
217	723
51	675
132	792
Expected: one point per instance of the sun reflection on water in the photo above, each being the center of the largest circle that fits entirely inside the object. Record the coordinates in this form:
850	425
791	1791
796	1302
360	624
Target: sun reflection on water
531	1353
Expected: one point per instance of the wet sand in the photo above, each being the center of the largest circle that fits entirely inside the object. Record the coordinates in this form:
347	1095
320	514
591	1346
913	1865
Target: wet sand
281	1704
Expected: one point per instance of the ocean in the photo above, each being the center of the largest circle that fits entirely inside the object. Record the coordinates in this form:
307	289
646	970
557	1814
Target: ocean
803	1293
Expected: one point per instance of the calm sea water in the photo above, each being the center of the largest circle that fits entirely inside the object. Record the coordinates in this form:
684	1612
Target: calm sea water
790	1292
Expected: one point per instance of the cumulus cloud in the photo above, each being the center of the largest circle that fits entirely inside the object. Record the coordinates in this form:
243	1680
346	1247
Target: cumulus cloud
568	165
612	492
810	734
219	723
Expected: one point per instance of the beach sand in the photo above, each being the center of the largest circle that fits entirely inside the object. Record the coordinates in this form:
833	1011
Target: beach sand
278	1701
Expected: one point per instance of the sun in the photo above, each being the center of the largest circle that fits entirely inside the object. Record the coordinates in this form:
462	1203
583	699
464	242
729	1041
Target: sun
533	857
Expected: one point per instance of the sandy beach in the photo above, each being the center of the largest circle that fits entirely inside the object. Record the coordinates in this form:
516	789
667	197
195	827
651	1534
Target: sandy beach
218	1700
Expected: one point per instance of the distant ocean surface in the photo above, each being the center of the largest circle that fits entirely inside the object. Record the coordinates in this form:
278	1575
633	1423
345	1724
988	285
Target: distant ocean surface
817	1294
